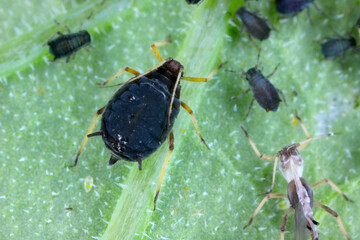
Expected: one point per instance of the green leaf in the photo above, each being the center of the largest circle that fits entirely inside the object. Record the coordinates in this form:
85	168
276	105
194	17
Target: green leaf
46	109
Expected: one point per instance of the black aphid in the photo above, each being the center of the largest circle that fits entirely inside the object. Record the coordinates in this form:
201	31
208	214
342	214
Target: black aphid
336	47
263	91
253	24
65	45
193	1
292	6
140	116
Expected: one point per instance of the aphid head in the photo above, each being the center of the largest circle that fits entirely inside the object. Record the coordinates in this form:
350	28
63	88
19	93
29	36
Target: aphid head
251	73
241	11
352	41
291	162
85	35
173	66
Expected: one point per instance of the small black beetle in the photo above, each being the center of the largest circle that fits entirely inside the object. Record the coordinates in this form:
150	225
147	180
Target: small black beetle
292	6
66	45
253	24
336	47
140	115
263	91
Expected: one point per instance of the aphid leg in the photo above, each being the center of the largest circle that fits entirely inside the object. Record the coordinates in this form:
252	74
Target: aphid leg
282	95
283	224
258	58
63	25
52	37
197	79
307	134
309	15
174	91
98	113
188	109
167	158
273	177
263	157
155	50
271	195
272	73
336	188
253	42
85	20
241	95
319	10
249	109
127	69
333	213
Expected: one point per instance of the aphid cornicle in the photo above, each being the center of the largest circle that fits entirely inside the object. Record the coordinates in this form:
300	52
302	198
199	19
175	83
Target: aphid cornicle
263	90
65	45
140	115
299	192
336	47
253	24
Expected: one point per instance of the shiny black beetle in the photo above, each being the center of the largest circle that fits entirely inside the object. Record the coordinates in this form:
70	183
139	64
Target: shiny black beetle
140	115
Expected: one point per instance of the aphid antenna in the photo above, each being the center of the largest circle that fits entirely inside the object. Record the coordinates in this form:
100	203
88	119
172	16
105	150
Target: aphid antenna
319	9
62	25
86	19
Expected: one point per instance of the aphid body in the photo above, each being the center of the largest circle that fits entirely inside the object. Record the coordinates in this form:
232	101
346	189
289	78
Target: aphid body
292	6
263	90
336	47
253	24
67	44
140	116
135	123
193	1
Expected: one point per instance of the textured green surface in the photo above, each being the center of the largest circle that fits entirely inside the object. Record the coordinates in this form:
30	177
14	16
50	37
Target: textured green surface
46	109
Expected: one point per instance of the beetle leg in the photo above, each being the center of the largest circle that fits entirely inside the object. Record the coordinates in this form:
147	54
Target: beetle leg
336	188
127	69
98	113
62	25
283	224
249	109
241	95
272	73
156	51
271	195
334	214
263	157
188	109
197	79
167	158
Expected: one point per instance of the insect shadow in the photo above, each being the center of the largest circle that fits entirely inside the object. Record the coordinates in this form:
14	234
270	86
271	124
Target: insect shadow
66	45
140	116
299	192
263	90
